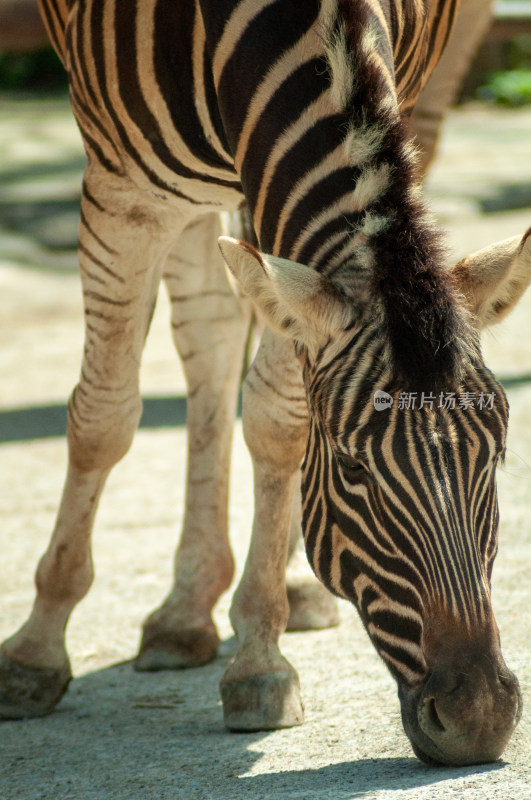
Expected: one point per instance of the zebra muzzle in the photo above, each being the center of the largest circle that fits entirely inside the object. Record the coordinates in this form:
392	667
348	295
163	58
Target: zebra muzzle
465	711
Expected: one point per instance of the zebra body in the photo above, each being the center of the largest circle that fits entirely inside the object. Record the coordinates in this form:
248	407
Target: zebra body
298	110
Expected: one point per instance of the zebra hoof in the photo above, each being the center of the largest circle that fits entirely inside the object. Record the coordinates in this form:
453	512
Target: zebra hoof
161	648
29	691
262	702
311	607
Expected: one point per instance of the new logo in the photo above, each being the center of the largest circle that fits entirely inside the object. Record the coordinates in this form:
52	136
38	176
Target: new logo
382	400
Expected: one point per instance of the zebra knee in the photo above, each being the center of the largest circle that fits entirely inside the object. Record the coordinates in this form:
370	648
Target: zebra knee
100	435
275	411
274	436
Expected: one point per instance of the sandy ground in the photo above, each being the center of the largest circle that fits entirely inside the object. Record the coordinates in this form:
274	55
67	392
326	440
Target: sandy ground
124	736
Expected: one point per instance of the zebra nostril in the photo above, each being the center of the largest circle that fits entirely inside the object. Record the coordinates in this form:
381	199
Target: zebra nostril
431	715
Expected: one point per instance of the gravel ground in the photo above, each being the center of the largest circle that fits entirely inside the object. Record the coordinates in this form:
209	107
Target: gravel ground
118	735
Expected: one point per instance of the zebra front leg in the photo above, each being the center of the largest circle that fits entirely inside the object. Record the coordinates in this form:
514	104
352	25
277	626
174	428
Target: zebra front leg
121	255
210	326
260	690
311	605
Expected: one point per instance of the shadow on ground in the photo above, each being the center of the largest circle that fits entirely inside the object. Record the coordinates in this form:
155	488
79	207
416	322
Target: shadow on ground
39	209
506	197
352	779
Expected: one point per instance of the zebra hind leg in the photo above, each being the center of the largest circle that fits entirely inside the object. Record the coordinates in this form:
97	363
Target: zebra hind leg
209	326
123	243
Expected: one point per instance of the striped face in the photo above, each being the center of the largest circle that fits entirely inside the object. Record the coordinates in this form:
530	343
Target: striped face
400	511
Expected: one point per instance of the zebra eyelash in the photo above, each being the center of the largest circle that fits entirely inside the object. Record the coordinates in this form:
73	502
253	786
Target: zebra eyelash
351	465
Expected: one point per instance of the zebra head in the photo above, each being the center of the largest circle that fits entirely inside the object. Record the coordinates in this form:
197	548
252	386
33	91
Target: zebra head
400	510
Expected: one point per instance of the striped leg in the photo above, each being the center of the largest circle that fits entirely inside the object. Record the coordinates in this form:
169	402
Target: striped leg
122	250
311	606
210	325
260	690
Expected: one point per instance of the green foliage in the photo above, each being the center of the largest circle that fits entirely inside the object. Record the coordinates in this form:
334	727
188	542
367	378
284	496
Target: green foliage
511	85
38	70
512	88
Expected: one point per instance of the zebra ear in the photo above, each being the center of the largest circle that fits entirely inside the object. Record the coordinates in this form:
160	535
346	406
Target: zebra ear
493	279
295	300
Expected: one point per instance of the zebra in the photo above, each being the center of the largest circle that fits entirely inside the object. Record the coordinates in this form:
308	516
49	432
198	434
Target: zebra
298	110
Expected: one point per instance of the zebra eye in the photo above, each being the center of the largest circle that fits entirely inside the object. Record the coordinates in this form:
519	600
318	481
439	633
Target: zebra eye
351	466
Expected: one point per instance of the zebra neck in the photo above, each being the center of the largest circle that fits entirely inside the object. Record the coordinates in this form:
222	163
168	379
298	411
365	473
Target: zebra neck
313	126
308	100
295	91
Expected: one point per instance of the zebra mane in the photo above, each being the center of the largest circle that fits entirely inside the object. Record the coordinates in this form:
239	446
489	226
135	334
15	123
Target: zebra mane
396	259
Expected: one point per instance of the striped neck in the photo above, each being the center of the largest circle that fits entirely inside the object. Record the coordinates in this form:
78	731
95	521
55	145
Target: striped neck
327	167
